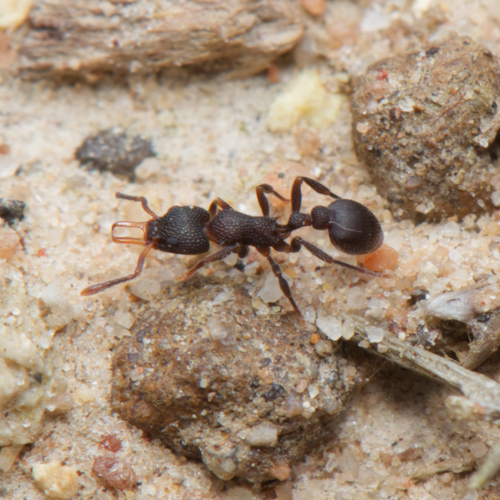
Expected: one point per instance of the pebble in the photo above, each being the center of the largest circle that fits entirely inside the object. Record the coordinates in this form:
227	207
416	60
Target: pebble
330	326
56	480
262	435
375	334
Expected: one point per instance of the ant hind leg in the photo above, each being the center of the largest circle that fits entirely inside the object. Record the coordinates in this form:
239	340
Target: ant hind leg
297	243
285	287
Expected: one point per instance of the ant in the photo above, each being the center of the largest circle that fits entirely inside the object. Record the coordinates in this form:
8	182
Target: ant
189	231
353	228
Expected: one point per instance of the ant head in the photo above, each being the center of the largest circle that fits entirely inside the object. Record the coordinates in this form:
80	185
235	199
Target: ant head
352	227
180	231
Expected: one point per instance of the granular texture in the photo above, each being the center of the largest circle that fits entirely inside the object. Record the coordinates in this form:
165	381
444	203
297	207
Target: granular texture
425	124
213	379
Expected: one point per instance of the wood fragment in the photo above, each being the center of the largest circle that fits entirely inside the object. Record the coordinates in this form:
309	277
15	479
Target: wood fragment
86	39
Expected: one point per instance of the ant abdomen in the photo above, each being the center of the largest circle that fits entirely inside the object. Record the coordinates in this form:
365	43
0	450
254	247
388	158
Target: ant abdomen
353	228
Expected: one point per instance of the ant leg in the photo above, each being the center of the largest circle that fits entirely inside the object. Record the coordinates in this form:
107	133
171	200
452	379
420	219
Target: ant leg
261	191
140	199
221	254
242	253
285	288
218	203
296	244
99	287
317	186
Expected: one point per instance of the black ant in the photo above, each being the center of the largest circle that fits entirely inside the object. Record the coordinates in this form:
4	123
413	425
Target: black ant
189	231
353	228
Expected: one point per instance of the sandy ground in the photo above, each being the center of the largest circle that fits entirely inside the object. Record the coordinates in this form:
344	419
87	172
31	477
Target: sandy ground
211	140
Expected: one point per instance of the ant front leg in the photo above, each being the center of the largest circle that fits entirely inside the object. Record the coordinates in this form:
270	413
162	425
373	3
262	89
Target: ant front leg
285	288
141	199
261	191
220	255
100	287
296	245
317	186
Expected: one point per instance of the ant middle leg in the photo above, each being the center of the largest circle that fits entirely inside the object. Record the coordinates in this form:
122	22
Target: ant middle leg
220	255
297	243
285	288
261	190
317	186
99	287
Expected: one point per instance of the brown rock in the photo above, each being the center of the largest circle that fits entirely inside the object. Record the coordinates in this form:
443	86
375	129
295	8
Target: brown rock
87	39
221	382
425	125
114	471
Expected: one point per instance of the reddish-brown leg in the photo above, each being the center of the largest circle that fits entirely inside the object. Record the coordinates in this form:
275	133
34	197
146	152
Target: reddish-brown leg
285	288
296	244
317	186
99	287
218	203
221	254
261	191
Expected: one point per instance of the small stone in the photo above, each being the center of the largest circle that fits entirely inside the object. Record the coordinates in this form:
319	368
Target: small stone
114	471
262	435
223	467
383	259
330	326
11	211
8	455
271	291
85	394
375	334
9	243
280	471
477	448
125	319
324	348
115	151
56	480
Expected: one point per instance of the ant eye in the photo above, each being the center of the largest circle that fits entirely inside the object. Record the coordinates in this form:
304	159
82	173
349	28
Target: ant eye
171	241
354	229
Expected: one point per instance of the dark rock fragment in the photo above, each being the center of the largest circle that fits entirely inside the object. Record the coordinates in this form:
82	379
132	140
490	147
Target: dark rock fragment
11	211
246	393
115	151
426	123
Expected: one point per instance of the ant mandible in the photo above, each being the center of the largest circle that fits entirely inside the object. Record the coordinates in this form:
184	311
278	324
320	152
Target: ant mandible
189	231
352	228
